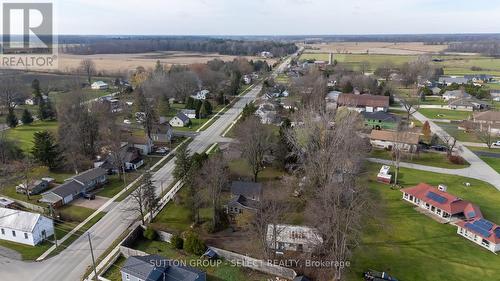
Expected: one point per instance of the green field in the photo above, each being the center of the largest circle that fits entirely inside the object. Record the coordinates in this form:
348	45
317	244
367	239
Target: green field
423	158
445	114
461	135
412	246
24	134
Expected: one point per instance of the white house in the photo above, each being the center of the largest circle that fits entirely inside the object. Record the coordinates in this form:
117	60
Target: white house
390	139
99	85
24	227
247	79
190	113
482	232
179	120
201	95
282	237
457	94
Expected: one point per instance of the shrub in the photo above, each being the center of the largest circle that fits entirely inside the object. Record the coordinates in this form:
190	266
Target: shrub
455	159
194	244
177	242
149	233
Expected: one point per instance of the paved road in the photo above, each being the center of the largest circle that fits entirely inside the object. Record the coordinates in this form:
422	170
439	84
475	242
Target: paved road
73	262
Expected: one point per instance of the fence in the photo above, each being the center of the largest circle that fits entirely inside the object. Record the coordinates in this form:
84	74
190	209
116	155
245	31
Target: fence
27	205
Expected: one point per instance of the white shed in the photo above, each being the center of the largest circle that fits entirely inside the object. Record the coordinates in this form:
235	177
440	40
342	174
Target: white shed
24	227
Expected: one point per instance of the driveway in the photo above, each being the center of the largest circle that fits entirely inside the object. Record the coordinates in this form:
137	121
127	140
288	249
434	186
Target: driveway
10	254
91	204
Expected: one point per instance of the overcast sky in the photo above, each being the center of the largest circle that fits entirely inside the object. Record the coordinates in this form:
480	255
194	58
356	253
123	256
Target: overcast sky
276	17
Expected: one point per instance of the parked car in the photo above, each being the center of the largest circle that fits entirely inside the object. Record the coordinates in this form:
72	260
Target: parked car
439	147
497	143
89	196
372	275
162	151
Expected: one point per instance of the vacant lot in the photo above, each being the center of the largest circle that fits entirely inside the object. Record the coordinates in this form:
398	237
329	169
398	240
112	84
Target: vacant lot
387	48
412	246
127	62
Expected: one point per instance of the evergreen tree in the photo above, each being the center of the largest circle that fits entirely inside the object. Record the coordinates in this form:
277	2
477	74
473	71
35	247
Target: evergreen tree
202	113
37	92
27	118
190	103
45	150
46	110
149	193
208	107
182	163
11	119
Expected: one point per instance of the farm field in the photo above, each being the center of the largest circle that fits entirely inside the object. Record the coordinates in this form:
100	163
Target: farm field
112	63
412	246
387	48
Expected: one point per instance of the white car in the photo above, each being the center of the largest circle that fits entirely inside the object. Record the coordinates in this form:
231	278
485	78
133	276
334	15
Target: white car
497	143
126	121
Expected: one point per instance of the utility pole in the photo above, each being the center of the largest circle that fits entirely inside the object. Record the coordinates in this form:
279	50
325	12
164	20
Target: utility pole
52	216
93	259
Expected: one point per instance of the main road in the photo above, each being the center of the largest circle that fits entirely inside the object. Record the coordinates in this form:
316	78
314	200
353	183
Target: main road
72	263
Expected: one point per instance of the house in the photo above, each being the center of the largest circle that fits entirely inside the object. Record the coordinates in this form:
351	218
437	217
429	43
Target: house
24	227
157	268
468	104
367	102
179	120
381	120
201	95
130	156
448	81
383	175
296	238
495	95
456	94
144	143
479	78
163	132
6	203
266	54
439	203
190	113
33	188
389	139
266	113
75	187
33	101
245	196
99	85
247	79
331	99
487	120
482	232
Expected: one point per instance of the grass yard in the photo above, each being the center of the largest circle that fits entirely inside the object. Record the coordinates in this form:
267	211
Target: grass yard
433	101
29	253
492	161
412	246
461	135
74	213
113	273
240	168
24	134
224	272
433	113
433	159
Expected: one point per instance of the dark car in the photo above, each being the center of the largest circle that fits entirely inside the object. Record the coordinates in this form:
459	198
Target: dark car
439	147
378	276
89	196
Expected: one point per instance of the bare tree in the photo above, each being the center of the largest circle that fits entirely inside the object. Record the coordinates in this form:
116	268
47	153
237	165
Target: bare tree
410	102
144	197
183	84
87	66
10	92
485	134
27	167
450	141
254	141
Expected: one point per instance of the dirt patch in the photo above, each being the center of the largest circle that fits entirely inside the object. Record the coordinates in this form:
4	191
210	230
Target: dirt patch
91	204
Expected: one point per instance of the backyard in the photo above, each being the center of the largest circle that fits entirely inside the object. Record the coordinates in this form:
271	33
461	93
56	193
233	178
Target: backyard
24	134
411	246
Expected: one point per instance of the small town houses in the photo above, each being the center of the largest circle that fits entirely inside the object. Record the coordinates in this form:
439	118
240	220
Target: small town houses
383	139
446	207
24	227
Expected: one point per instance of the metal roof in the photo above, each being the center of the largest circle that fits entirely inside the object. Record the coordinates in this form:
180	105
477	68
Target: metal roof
18	220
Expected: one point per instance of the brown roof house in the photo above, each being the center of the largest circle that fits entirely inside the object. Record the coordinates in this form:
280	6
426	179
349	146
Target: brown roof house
486	120
408	141
361	103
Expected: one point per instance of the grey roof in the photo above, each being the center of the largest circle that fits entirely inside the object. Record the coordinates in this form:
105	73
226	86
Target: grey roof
156	268
380	115
67	188
300	278
467	102
244	202
183	117
456	93
247	189
451	80
50	198
90	175
18	220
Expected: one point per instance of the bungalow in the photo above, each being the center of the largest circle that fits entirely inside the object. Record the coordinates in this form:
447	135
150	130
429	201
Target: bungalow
131	157
245	196
468	104
33	188
179	120
440	203
294	238
456	94
389	139
448	81
157	268
99	85
381	120
24	227
201	95
367	102
190	113
482	232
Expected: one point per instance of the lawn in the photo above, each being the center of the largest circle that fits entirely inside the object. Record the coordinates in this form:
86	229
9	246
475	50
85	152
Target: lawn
113	273
27	252
24	134
461	135
240	168
74	213
223	272
492	161
411	246
433	159
433	113
433	101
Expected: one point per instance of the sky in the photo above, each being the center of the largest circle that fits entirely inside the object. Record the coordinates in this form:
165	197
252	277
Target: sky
276	17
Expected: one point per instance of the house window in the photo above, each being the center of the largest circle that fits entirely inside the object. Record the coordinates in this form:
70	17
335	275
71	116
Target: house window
25	235
3	231
13	233
127	277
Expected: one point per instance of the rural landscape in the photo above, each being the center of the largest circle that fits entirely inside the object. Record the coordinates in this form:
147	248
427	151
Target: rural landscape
366	156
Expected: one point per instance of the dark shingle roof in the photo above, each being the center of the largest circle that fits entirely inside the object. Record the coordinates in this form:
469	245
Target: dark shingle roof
143	267
244	202
69	187
247	189
183	117
90	175
363	100
380	115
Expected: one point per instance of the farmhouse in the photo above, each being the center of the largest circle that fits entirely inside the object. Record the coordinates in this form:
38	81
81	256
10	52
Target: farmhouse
381	120
367	102
440	203
389	139
24	227
157	268
295	238
457	94
179	120
482	232
99	85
